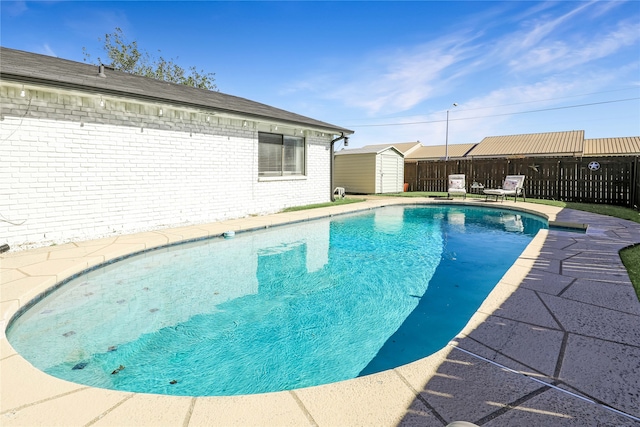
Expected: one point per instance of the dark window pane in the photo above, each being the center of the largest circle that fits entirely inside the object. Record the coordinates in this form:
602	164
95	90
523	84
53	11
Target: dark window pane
269	154
293	155
280	155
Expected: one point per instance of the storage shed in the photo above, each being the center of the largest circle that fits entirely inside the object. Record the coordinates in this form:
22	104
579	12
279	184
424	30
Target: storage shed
370	170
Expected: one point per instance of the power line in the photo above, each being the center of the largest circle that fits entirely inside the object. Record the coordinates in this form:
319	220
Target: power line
550	99
498	115
516	103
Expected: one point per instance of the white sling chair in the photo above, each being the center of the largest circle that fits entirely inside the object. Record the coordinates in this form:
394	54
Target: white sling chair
457	185
512	186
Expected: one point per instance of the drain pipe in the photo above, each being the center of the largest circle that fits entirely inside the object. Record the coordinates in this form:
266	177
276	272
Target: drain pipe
331	153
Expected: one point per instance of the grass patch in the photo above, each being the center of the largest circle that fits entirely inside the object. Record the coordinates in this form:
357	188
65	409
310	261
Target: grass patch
631	259
630	256
414	194
610	210
337	202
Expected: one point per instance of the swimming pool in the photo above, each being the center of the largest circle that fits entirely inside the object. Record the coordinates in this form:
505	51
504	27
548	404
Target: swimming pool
283	308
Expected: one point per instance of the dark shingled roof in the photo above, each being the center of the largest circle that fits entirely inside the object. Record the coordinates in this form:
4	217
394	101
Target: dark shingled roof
27	67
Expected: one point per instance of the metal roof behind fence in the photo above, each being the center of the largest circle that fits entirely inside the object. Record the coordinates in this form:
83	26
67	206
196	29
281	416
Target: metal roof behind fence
549	144
403	147
435	152
624	146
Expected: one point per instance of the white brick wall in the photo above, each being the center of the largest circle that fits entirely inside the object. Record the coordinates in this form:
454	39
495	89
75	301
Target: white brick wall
66	180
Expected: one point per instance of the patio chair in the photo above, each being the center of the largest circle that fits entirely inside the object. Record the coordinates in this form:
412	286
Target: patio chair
512	186
457	185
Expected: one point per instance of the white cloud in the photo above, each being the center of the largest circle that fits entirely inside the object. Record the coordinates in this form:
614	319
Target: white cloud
549	57
14	8
544	27
46	50
505	110
558	55
386	82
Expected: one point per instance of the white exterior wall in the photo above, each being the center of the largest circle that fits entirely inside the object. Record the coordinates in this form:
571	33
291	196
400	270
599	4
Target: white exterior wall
67	179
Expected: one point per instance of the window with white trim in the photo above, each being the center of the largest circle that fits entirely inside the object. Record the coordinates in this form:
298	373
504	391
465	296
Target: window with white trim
280	155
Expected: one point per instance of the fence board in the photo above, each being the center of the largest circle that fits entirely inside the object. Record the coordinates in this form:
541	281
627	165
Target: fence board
635	198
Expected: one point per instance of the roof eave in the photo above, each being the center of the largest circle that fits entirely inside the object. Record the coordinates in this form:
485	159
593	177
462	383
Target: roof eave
104	90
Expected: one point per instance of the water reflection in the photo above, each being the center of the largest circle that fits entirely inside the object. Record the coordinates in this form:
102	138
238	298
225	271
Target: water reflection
479	245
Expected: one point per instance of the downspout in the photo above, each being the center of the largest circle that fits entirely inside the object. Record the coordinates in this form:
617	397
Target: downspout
331	152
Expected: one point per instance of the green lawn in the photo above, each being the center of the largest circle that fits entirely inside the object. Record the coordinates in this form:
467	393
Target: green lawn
630	256
344	201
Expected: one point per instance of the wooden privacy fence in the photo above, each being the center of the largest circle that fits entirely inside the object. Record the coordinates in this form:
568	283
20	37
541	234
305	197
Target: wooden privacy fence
610	180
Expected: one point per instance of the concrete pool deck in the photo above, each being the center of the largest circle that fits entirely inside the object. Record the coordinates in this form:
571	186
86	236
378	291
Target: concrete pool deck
556	343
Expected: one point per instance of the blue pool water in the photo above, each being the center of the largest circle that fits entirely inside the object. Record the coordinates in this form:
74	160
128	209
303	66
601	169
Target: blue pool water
278	309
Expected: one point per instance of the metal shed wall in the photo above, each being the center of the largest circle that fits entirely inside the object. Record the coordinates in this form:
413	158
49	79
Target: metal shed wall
356	173
370	172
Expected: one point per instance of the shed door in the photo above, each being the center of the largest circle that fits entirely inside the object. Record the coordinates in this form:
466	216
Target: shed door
389	173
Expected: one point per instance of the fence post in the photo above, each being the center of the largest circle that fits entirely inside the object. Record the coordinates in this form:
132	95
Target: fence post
635	185
558	168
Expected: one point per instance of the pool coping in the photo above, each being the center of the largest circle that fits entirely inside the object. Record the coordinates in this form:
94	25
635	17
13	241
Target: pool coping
564	306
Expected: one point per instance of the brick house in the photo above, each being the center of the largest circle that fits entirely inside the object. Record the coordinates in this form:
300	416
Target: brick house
89	151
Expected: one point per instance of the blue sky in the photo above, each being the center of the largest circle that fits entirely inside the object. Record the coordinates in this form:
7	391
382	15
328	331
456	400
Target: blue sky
388	70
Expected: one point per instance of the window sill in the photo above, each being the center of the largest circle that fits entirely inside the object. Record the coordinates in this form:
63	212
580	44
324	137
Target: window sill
282	178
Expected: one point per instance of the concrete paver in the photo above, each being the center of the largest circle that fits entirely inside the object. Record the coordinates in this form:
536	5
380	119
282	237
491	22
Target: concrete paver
146	410
22	385
63	410
531	345
614	295
552	408
524	306
606	370
24	289
564	317
459	378
383	397
280	409
594	321
546	282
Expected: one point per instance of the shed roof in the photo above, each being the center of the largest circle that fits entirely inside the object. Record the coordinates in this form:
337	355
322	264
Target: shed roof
435	152
27	67
404	147
369	149
544	144
612	146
